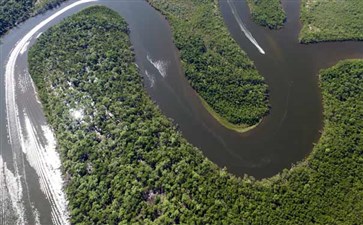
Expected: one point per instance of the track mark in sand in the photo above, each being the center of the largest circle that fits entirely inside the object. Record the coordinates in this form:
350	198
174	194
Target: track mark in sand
43	157
243	27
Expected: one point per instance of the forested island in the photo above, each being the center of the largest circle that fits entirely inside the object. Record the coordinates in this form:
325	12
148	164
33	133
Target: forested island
13	12
221	73
124	162
268	13
331	20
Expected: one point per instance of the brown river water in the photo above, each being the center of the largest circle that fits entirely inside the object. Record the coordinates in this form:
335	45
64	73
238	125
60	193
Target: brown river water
285	137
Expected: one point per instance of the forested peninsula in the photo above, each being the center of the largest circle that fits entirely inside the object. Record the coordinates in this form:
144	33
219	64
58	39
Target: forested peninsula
124	162
214	64
13	12
331	20
268	13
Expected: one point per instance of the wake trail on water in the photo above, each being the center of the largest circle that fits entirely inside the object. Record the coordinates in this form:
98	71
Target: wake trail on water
25	138
243	27
40	33
151	78
160	65
11	196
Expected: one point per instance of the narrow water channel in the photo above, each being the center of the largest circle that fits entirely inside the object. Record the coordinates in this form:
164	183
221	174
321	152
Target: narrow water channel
284	137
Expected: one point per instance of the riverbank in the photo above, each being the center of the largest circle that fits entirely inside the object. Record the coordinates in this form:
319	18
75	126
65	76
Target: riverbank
126	163
217	69
268	13
241	128
15	12
331	21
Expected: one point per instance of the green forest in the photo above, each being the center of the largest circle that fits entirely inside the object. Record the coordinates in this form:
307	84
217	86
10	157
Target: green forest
125	163
331	20
215	66
13	12
268	13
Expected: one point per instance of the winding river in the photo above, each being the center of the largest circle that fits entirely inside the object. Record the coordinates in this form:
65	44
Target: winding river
30	183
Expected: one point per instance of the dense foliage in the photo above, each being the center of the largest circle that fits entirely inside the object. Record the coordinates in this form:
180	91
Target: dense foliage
125	163
267	13
214	64
331	20
12	12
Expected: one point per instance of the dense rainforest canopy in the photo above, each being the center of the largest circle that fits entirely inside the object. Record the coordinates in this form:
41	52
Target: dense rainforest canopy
331	20
267	13
12	12
125	163
322	20
215	66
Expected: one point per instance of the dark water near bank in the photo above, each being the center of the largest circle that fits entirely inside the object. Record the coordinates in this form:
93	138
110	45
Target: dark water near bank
284	137
290	69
